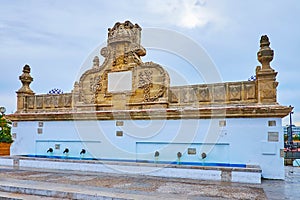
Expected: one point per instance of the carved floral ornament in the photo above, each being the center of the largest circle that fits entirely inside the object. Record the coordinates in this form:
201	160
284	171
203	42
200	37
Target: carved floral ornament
145	78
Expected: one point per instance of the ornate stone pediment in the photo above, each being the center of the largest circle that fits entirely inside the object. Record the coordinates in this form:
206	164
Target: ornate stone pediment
123	74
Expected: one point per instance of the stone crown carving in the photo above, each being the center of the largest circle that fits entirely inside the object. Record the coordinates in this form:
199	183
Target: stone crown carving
124	32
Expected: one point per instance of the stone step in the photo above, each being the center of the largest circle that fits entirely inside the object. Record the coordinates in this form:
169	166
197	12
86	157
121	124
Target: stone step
19	196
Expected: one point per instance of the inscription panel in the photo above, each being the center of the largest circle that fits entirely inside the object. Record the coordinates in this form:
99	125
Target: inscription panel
119	81
273	136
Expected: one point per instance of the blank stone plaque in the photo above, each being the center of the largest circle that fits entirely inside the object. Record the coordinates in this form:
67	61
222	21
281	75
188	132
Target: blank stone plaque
120	81
273	137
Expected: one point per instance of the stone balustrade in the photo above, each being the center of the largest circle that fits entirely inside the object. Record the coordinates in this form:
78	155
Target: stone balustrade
47	102
243	92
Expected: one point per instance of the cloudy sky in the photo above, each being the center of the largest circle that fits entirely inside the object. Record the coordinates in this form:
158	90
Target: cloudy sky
56	37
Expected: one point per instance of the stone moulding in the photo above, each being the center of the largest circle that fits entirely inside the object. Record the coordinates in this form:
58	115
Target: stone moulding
196	113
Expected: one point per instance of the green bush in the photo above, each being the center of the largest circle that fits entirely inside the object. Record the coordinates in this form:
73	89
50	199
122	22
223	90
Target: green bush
296	137
5	132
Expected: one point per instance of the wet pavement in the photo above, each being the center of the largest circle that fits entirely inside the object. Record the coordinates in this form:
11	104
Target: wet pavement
145	187
287	189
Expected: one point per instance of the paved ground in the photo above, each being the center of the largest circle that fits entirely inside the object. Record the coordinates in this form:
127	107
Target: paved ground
287	189
96	185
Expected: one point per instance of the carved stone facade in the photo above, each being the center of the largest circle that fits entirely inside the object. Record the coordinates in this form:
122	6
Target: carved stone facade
123	82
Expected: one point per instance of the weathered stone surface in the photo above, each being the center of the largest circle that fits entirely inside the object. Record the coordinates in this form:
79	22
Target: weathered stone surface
146	86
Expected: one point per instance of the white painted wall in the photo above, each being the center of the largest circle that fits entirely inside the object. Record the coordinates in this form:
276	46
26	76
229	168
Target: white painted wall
241	141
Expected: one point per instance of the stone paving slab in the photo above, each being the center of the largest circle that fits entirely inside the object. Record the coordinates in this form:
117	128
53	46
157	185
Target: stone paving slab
88	184
80	185
72	191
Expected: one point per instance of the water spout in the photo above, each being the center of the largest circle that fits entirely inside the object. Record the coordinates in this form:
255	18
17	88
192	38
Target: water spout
50	150
83	151
156	154
203	156
179	155
66	150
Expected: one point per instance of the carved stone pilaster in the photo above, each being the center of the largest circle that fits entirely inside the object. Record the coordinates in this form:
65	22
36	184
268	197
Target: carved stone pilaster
265	75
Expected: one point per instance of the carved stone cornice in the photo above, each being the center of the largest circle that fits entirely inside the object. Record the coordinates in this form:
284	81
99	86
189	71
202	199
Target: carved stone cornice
154	114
